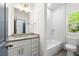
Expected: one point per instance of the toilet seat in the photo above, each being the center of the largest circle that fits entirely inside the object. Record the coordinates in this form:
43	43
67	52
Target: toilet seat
71	47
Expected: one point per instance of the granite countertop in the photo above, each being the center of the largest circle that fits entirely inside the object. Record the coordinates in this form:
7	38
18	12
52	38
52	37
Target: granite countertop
19	37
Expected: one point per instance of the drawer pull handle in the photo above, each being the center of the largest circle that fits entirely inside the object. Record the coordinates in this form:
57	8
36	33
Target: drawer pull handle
8	46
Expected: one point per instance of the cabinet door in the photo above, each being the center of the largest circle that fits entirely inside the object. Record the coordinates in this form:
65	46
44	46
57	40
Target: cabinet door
14	52
35	49
34	44
26	50
35	53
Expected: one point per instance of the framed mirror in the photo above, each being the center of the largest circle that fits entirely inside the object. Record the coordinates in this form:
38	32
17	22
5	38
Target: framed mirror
19	26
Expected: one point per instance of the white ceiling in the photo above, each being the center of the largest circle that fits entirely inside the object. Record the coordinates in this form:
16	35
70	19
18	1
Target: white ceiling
54	5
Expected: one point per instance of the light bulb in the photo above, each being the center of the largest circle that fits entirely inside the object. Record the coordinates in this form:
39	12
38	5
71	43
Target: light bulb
20	8
27	9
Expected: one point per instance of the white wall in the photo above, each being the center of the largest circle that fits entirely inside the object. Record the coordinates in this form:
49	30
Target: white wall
58	23
31	19
39	25
49	32
10	20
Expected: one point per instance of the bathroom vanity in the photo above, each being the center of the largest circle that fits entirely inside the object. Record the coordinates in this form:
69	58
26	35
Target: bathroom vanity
21	42
23	45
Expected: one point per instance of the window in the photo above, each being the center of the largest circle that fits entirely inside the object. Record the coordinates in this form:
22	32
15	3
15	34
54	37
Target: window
73	22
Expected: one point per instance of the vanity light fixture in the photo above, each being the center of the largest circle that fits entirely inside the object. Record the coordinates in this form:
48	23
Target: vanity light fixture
24	7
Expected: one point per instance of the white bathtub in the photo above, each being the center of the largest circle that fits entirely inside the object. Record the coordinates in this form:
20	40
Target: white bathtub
53	47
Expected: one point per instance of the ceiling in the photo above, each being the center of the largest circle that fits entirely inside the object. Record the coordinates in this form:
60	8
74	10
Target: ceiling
53	6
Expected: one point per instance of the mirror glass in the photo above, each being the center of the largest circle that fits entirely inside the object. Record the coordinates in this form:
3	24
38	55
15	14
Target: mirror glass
19	26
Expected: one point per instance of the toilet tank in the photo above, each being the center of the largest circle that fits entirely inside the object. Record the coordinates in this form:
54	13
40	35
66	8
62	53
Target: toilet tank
72	38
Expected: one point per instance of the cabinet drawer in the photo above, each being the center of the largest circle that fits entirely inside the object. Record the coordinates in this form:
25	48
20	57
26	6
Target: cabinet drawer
19	43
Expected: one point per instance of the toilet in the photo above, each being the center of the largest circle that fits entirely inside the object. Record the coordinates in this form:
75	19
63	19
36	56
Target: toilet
71	49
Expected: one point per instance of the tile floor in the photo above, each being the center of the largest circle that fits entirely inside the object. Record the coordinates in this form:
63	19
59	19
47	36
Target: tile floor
61	53
64	53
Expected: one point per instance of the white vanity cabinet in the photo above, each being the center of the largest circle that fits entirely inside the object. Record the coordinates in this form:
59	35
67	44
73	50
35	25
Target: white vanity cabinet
20	48
24	47
20	51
